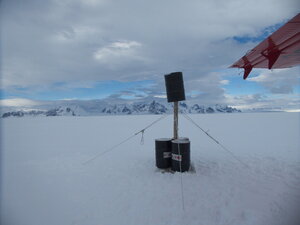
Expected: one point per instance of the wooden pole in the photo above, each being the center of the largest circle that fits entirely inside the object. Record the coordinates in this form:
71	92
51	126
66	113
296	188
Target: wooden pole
175	120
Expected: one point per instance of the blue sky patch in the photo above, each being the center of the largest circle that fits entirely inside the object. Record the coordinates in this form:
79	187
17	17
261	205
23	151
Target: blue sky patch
263	34
238	86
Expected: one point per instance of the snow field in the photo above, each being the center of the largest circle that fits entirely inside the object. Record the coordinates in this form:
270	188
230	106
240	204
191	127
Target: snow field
44	180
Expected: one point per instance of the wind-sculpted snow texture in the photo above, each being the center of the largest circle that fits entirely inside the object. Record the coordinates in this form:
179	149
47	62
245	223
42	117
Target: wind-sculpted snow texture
79	109
44	180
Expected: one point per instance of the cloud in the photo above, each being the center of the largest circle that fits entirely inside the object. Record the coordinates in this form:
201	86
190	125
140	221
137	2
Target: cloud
224	82
73	41
245	101
287	102
279	81
160	96
18	102
60	39
120	52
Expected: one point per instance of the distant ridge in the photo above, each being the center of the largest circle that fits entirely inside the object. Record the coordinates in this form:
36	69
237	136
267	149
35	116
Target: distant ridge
93	108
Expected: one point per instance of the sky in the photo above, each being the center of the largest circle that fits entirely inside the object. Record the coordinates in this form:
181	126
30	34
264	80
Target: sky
97	49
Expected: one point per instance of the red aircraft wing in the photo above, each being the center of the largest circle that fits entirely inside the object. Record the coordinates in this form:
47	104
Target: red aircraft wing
280	50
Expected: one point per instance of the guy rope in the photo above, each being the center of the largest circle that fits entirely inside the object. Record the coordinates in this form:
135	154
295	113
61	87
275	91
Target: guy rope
125	140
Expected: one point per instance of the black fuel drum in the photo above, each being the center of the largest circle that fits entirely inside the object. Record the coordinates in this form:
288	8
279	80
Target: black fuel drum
181	155
163	148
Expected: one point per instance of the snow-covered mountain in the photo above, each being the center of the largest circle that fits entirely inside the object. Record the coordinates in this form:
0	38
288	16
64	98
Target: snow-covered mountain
97	107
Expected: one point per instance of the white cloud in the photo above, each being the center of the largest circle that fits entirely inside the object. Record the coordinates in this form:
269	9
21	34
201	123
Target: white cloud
279	81
293	110
92	3
224	82
118	52
125	44
160	96
284	102
75	34
18	102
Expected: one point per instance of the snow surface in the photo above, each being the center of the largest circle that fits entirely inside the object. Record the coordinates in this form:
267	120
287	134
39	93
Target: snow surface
44	180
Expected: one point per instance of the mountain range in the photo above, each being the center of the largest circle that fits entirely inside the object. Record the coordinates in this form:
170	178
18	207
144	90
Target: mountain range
98	107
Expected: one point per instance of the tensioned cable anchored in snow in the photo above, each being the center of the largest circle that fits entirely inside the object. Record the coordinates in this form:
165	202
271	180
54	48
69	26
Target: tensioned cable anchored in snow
181	183
125	140
222	146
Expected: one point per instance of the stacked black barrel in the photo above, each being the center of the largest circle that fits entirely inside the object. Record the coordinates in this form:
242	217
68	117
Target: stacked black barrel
181	155
173	153
163	152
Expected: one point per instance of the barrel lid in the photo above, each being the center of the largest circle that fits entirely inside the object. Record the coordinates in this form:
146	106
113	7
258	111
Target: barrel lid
163	139
183	138
181	141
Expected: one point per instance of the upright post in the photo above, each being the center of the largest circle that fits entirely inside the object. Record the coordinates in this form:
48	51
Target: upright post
175	120
175	93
